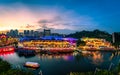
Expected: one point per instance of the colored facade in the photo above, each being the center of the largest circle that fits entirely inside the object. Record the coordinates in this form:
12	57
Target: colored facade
96	44
50	43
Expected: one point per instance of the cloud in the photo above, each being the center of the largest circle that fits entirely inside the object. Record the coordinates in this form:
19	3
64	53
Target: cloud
68	21
26	17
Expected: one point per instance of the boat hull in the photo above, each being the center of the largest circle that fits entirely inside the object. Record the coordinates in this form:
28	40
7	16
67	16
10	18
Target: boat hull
32	65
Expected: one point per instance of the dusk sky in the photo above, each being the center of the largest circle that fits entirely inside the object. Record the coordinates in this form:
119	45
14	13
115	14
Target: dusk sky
63	16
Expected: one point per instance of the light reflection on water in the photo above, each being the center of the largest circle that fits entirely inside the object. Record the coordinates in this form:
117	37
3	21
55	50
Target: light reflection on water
62	64
96	58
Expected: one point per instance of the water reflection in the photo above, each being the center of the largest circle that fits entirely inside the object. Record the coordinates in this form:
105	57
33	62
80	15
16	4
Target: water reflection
6	53
75	56
97	58
66	56
78	62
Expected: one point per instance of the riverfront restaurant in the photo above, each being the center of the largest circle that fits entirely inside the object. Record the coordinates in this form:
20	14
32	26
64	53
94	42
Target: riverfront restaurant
6	49
52	43
4	42
96	44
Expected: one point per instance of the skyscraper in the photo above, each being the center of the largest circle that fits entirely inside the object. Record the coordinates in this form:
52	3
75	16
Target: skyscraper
16	33
21	34
36	34
13	33
26	33
32	33
47	32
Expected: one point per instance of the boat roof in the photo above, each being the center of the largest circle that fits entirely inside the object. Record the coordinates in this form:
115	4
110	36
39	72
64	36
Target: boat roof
31	63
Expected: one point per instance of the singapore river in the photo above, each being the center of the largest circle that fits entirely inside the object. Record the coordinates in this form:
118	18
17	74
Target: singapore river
63	64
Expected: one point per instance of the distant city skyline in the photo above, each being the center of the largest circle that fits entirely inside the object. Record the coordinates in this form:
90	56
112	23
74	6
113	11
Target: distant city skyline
62	16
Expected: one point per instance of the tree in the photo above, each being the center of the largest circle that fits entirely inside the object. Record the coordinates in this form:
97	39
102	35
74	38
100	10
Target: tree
4	66
16	72
5	69
92	34
116	44
80	43
104	72
117	70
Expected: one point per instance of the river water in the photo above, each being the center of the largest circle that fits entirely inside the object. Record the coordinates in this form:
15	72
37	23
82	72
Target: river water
63	64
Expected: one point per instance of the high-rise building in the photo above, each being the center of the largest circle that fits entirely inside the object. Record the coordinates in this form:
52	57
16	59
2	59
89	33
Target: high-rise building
47	32
13	33
8	33
26	33
21	34
16	33
32	33
116	37
36	34
41	34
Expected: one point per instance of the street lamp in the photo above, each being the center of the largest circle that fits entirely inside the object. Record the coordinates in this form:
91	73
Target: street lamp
96	69
110	66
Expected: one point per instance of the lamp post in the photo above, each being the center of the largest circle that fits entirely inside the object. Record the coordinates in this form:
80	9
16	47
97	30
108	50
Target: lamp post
40	72
96	69
110	66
